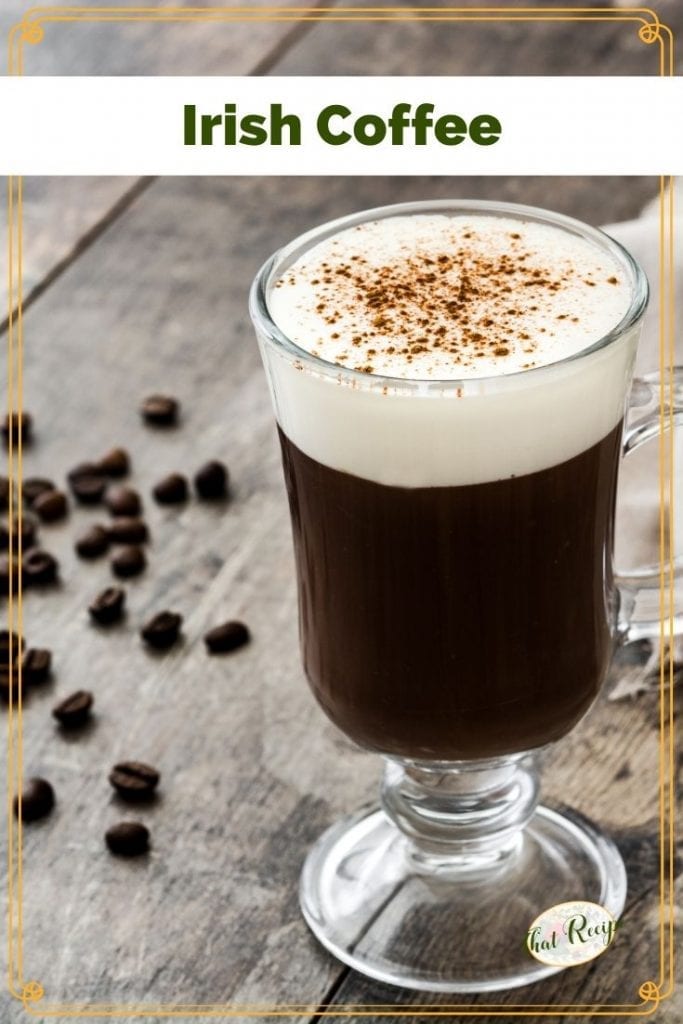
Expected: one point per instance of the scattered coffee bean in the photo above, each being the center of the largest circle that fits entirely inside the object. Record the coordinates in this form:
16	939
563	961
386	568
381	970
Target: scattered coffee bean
36	665
115	463
134	780
129	561
34	486
226	637
123	501
74	710
51	506
211	481
128	530
93	543
108	606
20	425
87	483
8	682
27	533
9	570
38	567
10	640
128	838
171	490
4	492
162	630
37	800
161	410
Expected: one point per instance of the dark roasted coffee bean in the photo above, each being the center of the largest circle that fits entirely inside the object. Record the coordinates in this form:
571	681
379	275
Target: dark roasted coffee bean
172	490
134	780
74	710
10	639
9	681
93	543
27	533
51	506
128	530
123	501
128	838
162	630
4	492
38	567
34	486
20	425
108	606
37	800
36	665
115	463
9	569
211	481
161	410
88	489
226	637
129	561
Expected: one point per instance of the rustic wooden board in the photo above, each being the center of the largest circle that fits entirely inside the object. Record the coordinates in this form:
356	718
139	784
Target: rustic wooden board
251	770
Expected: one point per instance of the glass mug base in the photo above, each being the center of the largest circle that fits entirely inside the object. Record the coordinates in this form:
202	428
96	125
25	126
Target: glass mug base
451	927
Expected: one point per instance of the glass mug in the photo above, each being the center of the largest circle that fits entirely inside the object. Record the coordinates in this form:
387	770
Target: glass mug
457	627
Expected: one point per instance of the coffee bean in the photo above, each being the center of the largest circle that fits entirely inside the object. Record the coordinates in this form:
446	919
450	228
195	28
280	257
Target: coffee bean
34	486
171	490
128	838
4	492
74	710
128	530
9	569
226	637
129	561
108	606
160	410
51	506
38	567
134	780
123	501
93	543
211	481
9	681
36	665
37	800
10	640
115	463
87	483
162	630
20	425
27	533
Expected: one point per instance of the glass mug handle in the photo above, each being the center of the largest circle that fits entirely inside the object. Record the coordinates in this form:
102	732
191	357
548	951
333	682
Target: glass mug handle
639	589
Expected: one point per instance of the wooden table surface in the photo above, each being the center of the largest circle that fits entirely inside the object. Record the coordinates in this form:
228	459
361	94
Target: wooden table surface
140	286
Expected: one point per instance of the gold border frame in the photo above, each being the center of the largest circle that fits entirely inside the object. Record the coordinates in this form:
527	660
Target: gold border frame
31	31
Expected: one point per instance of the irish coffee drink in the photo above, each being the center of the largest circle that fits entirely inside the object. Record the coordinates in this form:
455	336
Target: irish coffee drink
451	542
450	382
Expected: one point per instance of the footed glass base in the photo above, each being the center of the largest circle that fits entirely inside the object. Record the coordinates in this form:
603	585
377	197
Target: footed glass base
446	923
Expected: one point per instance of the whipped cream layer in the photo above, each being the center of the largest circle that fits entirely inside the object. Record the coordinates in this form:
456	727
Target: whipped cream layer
465	411
449	297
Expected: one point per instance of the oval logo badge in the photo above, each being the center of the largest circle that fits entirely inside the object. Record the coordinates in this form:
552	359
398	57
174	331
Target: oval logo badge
571	933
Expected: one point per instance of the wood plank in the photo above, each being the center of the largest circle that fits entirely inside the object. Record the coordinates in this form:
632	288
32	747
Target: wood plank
252	773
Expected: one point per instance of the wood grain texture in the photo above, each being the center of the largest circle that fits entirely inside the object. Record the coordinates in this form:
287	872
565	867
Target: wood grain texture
251	772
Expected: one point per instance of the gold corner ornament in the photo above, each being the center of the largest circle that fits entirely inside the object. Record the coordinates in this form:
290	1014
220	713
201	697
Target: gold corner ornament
32	992
649	991
31	32
650	32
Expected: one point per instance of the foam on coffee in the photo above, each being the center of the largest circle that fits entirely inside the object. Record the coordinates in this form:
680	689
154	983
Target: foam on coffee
438	298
